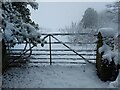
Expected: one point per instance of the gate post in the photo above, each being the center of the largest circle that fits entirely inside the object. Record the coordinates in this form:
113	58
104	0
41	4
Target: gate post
98	55
50	49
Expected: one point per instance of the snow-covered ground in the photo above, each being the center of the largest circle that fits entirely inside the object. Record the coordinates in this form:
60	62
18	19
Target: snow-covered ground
55	76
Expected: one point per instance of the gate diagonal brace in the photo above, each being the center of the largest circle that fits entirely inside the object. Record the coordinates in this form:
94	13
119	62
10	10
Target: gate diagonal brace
86	60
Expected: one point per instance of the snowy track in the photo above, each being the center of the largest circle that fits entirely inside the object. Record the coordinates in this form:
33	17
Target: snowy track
55	76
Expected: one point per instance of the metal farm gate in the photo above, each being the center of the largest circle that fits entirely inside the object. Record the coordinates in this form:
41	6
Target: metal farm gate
60	50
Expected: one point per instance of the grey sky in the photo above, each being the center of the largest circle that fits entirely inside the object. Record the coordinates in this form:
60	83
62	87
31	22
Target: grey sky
55	15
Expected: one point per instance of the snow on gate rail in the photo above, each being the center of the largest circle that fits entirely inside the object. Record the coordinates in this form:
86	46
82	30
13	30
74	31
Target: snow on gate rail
55	52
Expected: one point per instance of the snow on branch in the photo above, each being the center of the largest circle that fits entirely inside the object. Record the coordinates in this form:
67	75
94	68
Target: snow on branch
15	28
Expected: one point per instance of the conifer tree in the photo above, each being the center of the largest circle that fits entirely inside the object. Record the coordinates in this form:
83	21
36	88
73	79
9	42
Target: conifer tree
90	18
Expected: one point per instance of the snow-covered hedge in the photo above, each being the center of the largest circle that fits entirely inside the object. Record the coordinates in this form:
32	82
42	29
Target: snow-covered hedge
107	54
108	48
111	54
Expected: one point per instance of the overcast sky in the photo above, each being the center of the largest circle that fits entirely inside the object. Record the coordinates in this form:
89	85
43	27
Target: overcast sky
55	15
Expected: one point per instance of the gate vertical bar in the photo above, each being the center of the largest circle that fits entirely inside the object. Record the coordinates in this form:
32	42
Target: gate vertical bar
50	49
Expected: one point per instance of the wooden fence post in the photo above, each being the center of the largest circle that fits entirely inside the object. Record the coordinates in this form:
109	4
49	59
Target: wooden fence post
50	49
98	55
0	57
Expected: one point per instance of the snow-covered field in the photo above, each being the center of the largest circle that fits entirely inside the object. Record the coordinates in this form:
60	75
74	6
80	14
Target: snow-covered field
55	76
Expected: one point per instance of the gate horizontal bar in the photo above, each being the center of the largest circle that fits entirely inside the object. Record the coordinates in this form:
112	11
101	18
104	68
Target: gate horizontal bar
64	58
73	43
52	62
62	62
69	34
53	54
52	50
93	43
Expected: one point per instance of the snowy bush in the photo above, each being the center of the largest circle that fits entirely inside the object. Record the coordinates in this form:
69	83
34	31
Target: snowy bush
107	48
108	54
17	25
18	28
